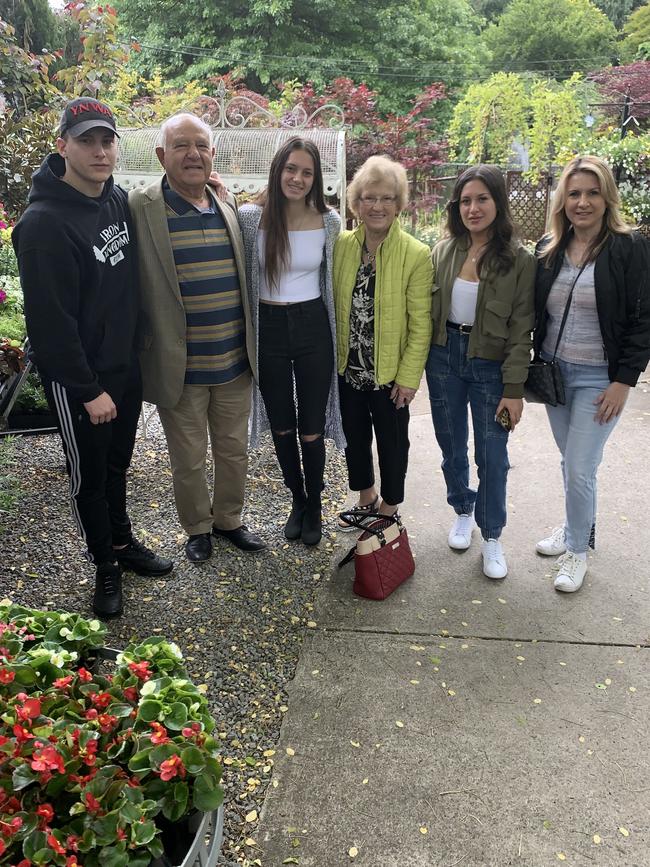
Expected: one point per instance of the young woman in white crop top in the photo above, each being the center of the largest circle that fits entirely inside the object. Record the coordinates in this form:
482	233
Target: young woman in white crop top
288	238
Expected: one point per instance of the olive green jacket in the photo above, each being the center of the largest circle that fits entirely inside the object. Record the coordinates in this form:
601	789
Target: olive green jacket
402	303
504	311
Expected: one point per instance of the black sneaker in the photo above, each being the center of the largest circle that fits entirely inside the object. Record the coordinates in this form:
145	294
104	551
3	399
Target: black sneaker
107	601
139	559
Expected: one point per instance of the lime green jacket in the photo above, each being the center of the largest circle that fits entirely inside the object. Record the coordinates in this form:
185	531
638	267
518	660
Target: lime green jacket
402	303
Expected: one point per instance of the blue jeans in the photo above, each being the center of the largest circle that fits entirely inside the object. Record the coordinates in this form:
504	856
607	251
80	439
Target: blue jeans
581	441
455	380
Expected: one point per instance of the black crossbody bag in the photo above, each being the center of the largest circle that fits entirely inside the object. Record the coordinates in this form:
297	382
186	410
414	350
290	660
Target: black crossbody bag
544	383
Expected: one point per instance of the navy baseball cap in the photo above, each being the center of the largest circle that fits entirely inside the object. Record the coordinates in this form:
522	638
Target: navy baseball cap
86	113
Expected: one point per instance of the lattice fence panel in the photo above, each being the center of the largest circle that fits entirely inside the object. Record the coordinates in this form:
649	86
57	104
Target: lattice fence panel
529	204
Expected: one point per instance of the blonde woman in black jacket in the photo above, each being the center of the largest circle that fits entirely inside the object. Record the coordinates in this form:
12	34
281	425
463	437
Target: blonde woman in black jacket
605	344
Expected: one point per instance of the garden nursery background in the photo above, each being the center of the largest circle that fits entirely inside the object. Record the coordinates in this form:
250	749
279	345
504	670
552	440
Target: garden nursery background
436	84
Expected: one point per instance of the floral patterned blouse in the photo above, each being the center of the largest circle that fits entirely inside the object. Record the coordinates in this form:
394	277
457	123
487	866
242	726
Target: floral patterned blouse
360	371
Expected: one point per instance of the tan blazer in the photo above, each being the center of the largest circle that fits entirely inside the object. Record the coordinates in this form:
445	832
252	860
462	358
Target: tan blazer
163	355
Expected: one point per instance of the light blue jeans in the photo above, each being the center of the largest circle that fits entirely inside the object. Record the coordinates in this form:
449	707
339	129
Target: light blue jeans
581	441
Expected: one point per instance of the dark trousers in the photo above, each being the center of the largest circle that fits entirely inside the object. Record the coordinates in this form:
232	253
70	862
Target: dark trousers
361	411
295	345
296	354
97	458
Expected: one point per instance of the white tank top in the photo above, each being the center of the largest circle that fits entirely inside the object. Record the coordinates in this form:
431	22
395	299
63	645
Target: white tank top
301	280
462	309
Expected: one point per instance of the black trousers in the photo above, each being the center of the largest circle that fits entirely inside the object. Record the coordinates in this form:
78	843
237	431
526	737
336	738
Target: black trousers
361	411
97	458
295	344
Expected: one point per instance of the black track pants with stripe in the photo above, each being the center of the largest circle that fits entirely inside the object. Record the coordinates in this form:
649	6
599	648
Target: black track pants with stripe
97	458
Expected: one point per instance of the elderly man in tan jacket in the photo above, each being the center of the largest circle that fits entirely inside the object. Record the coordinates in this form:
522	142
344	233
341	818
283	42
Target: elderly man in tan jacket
198	345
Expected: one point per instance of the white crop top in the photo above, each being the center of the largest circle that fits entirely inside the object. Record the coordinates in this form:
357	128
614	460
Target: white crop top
462	309
301	281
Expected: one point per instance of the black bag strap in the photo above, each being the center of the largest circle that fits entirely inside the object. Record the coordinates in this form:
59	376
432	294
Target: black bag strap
348	557
566	310
357	518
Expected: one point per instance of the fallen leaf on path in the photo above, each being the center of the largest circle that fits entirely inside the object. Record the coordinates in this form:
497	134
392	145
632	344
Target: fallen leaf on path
251	817
624	832
399	724
597	839
353	851
290	751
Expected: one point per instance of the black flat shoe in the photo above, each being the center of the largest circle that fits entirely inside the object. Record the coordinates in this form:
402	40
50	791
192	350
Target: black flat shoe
107	601
139	559
242	538
198	547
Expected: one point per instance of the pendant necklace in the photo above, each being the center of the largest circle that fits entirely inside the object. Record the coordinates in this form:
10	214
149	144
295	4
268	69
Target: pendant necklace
371	256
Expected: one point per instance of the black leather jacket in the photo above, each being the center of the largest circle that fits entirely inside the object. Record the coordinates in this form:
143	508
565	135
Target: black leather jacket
622	281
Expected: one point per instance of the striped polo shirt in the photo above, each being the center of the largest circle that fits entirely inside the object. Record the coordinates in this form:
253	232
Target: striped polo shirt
209	284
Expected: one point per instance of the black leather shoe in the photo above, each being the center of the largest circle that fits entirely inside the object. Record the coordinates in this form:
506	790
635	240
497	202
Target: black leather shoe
198	547
139	559
242	538
107	601
293	527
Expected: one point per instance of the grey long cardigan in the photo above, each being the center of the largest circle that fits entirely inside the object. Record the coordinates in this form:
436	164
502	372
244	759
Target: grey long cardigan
249	221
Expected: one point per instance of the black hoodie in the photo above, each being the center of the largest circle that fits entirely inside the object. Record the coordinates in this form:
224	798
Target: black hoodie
78	269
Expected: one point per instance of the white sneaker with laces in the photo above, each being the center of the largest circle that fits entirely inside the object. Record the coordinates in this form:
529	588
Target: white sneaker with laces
571	573
460	535
553	545
494	560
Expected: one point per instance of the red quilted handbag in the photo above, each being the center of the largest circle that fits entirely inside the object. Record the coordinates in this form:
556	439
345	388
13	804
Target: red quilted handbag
382	555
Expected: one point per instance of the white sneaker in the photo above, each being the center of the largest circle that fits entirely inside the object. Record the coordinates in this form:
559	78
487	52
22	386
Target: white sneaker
460	535
571	573
494	560
553	545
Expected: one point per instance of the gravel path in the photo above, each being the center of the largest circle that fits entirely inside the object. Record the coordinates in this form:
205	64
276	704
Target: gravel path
239	619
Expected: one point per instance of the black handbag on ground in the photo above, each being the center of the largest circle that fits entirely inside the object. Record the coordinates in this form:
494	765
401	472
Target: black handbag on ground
544	383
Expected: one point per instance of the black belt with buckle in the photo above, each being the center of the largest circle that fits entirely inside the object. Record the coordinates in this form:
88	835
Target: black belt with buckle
457	326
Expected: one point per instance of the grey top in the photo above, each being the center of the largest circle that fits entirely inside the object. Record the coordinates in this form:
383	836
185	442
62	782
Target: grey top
582	341
249	221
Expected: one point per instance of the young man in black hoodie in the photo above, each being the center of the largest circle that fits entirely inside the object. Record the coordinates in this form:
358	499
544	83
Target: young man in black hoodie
78	270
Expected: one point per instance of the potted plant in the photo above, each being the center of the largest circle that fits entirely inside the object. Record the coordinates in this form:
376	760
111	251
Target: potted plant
99	769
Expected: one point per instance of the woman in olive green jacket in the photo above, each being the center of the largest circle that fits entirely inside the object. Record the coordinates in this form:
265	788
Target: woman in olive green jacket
382	298
482	313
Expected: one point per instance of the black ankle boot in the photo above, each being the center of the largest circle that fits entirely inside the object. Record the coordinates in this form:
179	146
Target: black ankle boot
312	522
293	527
313	461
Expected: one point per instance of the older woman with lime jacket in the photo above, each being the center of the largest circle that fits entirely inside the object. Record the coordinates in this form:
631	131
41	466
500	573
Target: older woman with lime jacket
382	296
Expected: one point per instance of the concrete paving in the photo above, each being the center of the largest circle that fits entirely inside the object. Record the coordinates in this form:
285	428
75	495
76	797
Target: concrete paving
472	722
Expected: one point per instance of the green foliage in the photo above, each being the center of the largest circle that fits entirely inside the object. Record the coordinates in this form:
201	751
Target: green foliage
632	154
489	9
544	115
556	123
31	399
636	36
27	97
394	50
558	36
9	489
488	118
617	10
102	56
35	23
